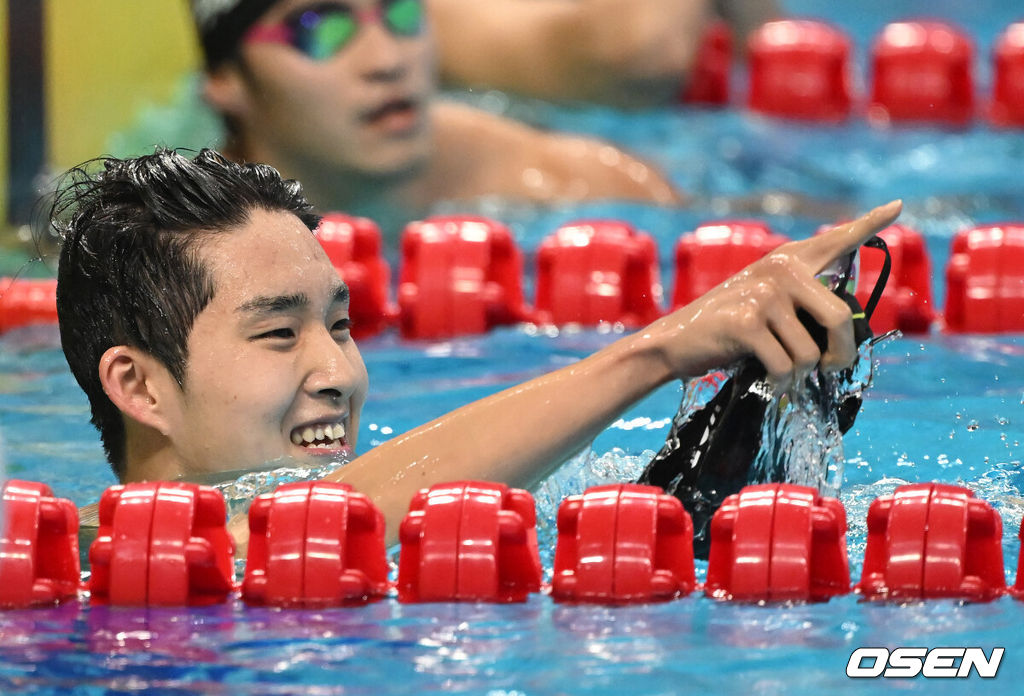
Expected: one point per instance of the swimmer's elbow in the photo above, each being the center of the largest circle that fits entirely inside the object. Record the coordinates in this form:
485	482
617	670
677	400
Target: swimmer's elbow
642	181
648	41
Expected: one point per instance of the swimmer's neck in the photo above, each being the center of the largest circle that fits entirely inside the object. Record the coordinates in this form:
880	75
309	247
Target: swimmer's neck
391	199
150	465
456	167
150	456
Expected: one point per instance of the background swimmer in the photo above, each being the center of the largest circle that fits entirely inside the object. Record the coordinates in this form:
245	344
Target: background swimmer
628	53
342	96
210	332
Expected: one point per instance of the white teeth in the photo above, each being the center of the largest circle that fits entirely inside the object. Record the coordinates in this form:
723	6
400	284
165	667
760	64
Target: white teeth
311	436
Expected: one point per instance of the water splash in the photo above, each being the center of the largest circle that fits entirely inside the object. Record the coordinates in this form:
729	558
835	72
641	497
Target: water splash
801	437
581	472
241	488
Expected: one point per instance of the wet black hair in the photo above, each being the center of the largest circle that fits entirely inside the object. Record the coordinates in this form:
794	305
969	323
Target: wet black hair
130	271
221	24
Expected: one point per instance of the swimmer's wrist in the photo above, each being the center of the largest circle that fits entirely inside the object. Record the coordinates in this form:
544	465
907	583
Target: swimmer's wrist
645	360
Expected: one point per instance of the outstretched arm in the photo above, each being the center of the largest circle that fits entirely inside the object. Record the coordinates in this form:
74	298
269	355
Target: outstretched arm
624	52
521	434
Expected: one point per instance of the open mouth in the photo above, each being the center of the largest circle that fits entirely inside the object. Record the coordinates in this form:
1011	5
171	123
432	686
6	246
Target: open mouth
320	436
395	114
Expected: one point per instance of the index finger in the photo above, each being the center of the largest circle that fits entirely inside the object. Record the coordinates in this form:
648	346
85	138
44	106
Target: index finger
819	251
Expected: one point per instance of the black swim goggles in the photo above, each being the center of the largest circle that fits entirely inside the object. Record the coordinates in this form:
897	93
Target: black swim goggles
841	278
322	30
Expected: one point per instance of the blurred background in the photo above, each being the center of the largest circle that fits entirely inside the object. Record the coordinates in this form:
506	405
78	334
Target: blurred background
58	112
84	78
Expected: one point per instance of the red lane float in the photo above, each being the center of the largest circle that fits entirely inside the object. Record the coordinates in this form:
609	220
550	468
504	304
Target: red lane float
596	271
27	301
778	542
985	280
800	69
315	544
1007	108
469	541
161	543
353	244
459	275
922	72
39	549
932	540
708	82
1017	591
623	543
717	250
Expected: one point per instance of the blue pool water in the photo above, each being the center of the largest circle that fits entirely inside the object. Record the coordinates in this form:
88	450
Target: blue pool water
942	408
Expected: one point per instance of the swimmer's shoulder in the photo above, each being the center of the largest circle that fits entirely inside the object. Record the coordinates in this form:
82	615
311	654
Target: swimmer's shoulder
525	161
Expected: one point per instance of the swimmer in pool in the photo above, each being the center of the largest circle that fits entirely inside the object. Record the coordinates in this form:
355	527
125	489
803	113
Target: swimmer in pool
342	96
627	53
211	333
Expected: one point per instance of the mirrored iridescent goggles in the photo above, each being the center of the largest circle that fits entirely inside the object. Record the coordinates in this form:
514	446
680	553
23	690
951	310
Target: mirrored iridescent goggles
320	31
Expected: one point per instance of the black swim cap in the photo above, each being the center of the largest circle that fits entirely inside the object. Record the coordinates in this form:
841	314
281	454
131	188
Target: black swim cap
223	23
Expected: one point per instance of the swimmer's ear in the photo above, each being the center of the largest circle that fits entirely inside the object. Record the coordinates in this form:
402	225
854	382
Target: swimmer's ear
139	385
226	91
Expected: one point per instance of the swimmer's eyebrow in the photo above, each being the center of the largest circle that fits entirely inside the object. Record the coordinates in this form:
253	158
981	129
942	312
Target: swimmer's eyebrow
284	303
340	294
273	304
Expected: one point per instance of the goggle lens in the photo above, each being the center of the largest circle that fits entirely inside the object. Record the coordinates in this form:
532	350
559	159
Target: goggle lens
321	35
323	31
404	17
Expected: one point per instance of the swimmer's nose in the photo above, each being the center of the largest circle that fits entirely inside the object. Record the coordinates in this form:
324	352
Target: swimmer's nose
382	57
331	372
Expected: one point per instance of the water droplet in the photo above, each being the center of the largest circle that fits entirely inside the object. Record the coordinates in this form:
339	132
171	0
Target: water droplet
973	425
1002	420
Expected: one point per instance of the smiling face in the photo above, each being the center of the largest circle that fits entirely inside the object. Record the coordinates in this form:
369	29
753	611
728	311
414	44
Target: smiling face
271	370
362	110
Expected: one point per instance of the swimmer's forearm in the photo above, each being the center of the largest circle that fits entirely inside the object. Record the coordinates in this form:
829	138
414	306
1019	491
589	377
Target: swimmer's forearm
630	52
517	436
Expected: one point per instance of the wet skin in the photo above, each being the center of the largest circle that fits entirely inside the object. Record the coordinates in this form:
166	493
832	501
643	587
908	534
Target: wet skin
364	132
270	356
365	109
